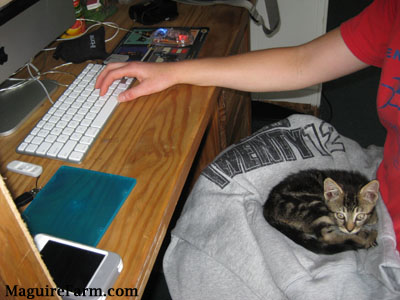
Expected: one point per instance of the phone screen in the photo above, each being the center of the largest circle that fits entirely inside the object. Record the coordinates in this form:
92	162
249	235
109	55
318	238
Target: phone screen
71	267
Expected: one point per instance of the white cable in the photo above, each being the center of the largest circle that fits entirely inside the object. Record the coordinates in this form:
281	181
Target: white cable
62	65
15	85
36	78
23	81
18	84
59	72
115	33
52	71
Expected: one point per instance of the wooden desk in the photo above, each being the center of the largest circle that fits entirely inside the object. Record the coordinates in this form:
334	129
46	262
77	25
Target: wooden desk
156	139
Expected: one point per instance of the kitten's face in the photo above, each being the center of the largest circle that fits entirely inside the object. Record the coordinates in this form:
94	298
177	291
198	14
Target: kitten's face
350	221
351	211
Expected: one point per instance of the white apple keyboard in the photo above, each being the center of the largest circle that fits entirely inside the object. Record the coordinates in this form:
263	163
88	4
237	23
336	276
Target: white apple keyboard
72	124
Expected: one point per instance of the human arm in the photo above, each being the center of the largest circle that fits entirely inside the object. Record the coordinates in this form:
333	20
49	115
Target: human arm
320	60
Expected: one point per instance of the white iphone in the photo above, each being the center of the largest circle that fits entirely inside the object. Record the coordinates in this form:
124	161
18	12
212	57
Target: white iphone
79	271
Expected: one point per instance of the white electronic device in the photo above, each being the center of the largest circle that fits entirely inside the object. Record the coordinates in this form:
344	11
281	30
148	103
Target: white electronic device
25	168
79	271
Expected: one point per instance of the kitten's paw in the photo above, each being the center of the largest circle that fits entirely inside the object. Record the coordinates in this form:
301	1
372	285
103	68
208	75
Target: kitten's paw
371	241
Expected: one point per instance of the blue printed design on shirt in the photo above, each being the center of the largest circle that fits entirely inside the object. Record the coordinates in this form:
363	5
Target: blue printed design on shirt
392	101
393	54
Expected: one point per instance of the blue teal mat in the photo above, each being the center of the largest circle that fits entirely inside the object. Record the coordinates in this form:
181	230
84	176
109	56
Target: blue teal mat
78	204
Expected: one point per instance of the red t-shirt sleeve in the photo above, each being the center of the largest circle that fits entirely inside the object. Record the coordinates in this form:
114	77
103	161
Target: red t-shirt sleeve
367	34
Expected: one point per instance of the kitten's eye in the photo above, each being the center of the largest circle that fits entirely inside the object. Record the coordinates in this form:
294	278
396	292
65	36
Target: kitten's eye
340	216
360	217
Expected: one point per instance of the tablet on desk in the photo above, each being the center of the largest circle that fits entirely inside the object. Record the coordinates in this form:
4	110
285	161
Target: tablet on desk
79	271
78	204
137	45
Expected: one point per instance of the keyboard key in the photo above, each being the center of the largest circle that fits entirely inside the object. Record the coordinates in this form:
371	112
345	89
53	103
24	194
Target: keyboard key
22	146
43	133
86	140
56	131
76	156
91	116
67	149
105	112
86	122
46	117
73	124
37	140
78	118
51	138
29	138
82	148
54	119
42	149
76	136
54	149
68	131
92	132
62	124
63	138
80	129
40	124
67	118
35	131
48	126
31	148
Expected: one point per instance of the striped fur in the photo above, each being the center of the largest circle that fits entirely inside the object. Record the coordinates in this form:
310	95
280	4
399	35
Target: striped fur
325	211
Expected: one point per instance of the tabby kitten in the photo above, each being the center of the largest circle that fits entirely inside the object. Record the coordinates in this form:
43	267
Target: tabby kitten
325	211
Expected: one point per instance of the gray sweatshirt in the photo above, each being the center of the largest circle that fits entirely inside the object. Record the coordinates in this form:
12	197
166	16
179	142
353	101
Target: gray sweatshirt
222	247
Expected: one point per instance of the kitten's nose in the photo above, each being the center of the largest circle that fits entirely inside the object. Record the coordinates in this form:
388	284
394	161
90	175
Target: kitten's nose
350	227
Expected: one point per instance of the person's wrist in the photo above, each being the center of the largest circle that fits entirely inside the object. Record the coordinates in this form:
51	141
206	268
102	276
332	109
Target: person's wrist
176	73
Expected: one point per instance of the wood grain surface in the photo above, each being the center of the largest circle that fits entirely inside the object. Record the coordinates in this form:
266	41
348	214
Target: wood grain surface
154	139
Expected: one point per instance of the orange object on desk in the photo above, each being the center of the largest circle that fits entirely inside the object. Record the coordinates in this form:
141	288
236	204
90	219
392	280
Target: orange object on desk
76	30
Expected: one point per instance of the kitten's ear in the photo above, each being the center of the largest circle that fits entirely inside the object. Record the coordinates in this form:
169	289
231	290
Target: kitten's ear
370	191
332	190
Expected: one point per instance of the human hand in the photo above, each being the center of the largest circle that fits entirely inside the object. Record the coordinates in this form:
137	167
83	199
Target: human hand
152	78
